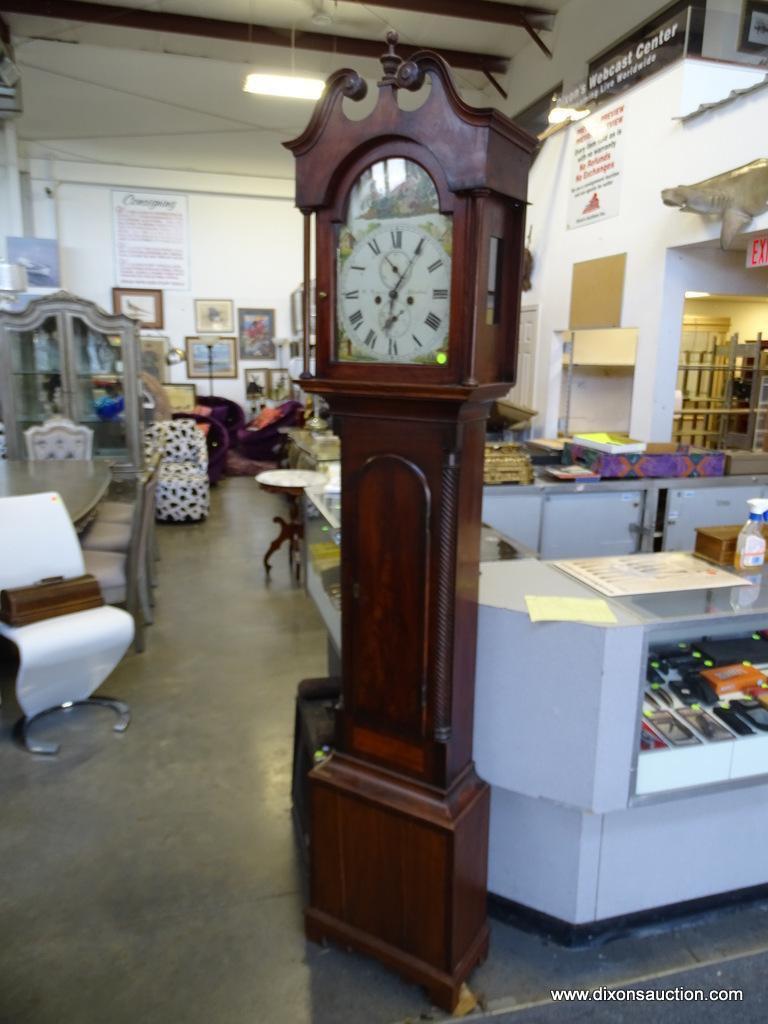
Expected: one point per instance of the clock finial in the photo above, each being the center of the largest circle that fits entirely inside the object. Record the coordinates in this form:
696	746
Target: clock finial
390	60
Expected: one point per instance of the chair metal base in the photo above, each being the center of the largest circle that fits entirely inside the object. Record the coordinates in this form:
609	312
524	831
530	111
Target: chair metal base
21	730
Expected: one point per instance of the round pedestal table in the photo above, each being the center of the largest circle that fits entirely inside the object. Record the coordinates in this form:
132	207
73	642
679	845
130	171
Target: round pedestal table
291	483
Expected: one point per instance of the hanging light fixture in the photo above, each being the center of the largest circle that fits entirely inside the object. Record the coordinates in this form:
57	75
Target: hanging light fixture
290	86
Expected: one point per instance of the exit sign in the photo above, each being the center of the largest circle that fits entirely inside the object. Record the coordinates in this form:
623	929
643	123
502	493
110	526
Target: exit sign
757	252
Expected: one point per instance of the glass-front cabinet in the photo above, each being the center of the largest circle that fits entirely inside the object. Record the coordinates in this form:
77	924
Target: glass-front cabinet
63	356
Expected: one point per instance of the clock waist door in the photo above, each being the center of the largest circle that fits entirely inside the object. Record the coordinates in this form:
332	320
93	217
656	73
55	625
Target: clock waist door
409	599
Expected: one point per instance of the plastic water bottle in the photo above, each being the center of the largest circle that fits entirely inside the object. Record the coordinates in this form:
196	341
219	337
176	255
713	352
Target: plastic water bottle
750	545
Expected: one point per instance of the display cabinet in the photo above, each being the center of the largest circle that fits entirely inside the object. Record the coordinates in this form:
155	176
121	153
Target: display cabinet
590	818
65	356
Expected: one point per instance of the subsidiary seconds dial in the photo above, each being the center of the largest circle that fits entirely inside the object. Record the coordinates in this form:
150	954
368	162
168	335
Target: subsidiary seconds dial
394	295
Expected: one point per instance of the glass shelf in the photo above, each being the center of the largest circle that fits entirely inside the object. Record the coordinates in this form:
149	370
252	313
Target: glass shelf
34	373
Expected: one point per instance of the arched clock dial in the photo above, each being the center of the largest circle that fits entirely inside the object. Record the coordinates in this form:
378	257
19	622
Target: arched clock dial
394	270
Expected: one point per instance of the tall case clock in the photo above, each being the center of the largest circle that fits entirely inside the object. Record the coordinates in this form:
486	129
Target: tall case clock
419	233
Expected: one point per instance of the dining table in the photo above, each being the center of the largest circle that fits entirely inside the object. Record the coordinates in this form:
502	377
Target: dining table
81	483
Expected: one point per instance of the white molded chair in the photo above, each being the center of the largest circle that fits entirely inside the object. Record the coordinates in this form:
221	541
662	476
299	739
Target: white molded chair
64	659
59	438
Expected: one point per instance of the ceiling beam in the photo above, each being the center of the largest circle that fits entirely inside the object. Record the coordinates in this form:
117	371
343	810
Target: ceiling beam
474	10
237	31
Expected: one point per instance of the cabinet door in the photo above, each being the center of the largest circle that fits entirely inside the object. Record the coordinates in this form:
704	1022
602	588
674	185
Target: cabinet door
517	516
688	508
36	375
97	396
589	525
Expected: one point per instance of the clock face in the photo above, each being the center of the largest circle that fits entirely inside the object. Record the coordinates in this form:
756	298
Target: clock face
394	269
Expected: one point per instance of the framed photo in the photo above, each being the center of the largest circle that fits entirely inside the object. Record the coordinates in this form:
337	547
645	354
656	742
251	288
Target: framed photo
40	257
256	379
153	352
256	330
279	388
222	353
182	397
754	27
142	304
214	315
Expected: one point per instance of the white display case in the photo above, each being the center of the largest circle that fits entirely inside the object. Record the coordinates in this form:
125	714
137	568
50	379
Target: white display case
584	826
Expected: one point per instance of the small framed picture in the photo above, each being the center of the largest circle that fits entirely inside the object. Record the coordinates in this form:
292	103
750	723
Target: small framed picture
182	397
211	357
214	315
256	331
754	27
142	304
153	353
256	384
279	387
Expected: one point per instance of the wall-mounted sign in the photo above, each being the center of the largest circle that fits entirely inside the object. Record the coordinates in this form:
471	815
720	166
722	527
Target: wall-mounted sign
757	252
651	50
150	238
596	167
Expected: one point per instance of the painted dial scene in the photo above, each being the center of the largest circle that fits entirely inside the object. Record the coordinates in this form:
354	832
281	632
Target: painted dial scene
394	269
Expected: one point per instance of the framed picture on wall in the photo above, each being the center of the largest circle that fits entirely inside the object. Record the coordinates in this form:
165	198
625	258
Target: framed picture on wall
182	397
214	315
279	387
142	304
256	383
153	353
754	27
211	357
256	332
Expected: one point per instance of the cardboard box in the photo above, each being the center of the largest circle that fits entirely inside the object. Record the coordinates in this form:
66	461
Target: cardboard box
717	543
745	463
657	461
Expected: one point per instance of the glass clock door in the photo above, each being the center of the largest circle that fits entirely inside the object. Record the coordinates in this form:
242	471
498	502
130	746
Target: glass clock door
393	276
98	400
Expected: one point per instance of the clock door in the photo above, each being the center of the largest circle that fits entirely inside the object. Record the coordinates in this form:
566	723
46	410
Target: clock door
387	554
393	269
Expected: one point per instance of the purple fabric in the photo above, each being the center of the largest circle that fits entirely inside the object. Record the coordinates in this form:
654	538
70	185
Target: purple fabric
266	445
685	462
227	412
217	442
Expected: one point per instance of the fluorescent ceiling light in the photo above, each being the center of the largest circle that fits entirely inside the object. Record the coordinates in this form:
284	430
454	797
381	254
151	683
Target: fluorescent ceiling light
559	115
697	295
284	85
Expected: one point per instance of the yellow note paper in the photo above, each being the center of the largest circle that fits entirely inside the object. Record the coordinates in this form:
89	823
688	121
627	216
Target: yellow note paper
569	609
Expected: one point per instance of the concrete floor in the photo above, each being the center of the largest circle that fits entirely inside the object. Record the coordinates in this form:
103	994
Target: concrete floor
153	876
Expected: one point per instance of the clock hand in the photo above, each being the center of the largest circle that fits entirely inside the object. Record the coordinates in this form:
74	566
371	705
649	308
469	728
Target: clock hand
416	252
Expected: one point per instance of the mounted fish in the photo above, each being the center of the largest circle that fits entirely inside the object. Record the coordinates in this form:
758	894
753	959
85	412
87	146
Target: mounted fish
737	196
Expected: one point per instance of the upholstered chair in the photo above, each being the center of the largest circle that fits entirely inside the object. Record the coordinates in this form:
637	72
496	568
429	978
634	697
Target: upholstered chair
183	490
59	438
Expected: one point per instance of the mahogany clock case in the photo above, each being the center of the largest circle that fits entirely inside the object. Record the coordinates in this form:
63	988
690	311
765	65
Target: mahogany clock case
399	819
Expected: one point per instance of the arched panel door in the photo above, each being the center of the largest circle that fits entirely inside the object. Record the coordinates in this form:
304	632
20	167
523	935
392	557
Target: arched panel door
387	543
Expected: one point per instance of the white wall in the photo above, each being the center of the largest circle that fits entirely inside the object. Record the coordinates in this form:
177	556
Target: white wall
748	319
664	258
244	244
583	29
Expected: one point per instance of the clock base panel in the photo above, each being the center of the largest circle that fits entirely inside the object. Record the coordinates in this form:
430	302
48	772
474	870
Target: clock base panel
399	871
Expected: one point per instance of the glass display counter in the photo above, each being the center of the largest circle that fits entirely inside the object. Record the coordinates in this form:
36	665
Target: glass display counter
590	819
620	782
